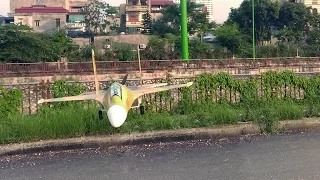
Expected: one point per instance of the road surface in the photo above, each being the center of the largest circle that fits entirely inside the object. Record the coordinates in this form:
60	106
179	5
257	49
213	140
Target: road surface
286	156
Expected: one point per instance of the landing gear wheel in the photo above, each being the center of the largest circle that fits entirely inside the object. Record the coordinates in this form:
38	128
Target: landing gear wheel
100	115
142	110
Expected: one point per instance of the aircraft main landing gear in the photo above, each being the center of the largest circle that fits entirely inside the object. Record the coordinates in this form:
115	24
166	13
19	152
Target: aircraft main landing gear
100	115
142	110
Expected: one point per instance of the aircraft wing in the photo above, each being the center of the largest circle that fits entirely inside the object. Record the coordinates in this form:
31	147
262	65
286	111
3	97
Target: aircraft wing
143	91
154	85
138	87
81	97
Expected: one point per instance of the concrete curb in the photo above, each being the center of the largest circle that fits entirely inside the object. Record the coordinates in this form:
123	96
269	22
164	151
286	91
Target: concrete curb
215	132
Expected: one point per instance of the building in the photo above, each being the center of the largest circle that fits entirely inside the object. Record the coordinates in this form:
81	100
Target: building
15	4
46	15
157	6
75	20
208	7
70	5
135	9
41	18
315	4
123	18
6	20
113	18
294	1
53	13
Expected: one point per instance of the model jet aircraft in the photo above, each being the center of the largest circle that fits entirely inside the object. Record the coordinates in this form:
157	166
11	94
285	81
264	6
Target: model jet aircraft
118	99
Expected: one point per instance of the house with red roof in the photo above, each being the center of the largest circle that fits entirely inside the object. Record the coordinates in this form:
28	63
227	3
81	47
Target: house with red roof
48	14
41	18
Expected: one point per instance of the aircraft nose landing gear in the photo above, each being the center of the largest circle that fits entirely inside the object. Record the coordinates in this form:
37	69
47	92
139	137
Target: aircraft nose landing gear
100	115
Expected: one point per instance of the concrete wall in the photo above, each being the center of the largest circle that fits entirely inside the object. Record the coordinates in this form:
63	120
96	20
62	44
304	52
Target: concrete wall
48	21
99	40
25	19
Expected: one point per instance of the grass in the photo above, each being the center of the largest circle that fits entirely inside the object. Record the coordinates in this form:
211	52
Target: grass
74	121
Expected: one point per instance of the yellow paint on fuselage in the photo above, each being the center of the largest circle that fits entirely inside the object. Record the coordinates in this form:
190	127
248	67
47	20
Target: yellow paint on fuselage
126	100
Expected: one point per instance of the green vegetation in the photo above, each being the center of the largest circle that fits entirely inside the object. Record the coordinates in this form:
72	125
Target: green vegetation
95	15
210	101
20	43
281	30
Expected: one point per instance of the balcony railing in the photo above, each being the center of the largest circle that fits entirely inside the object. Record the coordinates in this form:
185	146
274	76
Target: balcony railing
301	65
137	8
135	24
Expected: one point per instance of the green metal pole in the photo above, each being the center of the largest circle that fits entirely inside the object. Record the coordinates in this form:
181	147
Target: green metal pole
184	30
253	38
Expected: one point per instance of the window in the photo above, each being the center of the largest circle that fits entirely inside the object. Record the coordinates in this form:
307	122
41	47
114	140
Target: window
37	22
20	20
57	23
315	11
133	17
115	90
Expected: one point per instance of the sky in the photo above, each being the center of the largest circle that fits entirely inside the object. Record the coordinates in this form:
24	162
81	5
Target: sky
221	7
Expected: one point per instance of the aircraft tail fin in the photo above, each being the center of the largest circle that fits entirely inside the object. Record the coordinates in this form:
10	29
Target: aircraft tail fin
95	73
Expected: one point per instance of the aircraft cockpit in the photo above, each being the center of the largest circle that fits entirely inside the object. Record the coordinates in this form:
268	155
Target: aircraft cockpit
116	90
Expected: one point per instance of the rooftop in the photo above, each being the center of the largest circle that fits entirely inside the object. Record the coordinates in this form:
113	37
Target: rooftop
41	9
162	2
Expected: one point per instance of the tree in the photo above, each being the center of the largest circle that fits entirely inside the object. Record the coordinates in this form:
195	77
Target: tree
199	50
203	28
146	23
22	44
124	52
229	36
95	15
313	42
266	14
170	21
156	49
161	28
115	27
294	18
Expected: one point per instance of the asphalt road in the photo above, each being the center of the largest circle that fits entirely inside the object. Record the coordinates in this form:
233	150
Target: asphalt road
286	156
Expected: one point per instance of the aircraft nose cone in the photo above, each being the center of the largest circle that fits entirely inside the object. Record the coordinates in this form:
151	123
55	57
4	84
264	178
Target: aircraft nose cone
117	115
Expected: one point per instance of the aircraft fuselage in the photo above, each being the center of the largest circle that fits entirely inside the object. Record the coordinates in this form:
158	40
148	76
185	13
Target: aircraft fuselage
117	102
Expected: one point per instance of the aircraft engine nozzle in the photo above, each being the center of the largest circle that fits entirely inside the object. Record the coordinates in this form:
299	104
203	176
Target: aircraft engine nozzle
117	115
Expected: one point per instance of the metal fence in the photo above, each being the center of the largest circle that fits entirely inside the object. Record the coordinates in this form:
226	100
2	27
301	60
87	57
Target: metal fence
32	92
47	68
